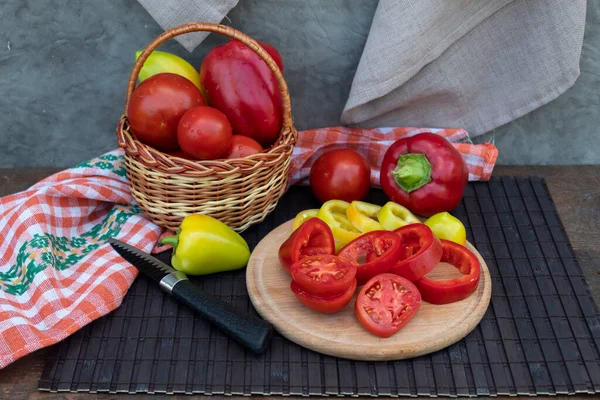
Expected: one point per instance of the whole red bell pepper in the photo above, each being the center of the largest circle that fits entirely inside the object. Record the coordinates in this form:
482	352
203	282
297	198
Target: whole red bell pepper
237	82
424	173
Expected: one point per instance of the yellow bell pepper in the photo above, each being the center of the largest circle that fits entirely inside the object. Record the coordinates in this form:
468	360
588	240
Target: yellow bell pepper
333	213
446	226
392	216
303	216
204	245
364	216
160	62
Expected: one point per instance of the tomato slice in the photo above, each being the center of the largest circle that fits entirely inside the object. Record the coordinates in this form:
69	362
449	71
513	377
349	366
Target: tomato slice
386	303
449	291
373	253
312	238
323	275
324	304
422	252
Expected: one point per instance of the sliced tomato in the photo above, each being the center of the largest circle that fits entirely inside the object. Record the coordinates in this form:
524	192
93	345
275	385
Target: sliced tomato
449	291
386	303
312	238
324	304
323	275
422	252
373	253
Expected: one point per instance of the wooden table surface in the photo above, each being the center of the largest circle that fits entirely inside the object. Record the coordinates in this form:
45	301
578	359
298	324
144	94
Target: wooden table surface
575	190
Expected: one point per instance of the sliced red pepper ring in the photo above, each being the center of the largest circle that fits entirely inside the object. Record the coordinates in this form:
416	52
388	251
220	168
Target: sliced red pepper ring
373	253
449	291
312	238
323	275
422	252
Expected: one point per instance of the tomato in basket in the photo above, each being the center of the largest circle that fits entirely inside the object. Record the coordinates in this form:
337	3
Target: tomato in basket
386	303
242	146
204	133
157	105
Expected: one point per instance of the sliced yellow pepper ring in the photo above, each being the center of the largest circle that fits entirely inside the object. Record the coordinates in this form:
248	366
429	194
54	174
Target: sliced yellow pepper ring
446	226
364	216
333	213
392	216
303	216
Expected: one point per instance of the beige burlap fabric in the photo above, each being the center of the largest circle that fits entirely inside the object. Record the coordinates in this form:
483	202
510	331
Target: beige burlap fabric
470	64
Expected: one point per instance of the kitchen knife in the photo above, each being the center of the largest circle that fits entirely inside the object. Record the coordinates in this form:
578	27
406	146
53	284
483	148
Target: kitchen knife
252	332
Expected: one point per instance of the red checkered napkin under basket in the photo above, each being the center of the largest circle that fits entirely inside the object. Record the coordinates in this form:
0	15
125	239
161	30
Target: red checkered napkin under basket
57	273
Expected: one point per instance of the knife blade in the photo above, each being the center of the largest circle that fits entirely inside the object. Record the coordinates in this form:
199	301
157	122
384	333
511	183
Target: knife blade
252	332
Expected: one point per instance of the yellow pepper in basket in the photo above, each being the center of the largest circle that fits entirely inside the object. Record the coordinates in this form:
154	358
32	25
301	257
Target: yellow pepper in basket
392	216
364	216
333	213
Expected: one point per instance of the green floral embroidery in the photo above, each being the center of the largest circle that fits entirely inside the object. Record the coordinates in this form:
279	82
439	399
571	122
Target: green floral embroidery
60	252
106	162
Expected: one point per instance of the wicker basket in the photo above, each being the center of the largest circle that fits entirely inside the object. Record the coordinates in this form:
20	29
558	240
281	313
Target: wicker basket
239	192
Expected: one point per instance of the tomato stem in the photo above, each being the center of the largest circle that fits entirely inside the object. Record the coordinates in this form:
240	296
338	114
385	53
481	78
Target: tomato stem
412	172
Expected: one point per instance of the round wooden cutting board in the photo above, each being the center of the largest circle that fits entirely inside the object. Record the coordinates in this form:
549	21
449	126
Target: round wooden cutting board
432	328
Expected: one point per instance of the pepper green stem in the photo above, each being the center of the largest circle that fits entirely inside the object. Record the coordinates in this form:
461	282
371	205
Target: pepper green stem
412	172
170	240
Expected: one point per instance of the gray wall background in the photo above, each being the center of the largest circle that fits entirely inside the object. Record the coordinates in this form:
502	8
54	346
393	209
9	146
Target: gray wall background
64	66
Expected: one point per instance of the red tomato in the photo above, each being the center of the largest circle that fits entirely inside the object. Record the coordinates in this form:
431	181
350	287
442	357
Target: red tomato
386	303
240	84
423	251
204	133
157	105
380	250
449	291
312	238
323	275
242	146
340	174
324	304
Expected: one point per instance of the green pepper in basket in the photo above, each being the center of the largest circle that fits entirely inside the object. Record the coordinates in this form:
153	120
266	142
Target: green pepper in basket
204	245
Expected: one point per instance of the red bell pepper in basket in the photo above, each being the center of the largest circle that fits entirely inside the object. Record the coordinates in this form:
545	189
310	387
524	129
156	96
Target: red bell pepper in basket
424	173
237	82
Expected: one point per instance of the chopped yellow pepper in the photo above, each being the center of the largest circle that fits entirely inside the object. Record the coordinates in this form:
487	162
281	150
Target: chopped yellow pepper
392	216
333	213
364	216
446	226
303	216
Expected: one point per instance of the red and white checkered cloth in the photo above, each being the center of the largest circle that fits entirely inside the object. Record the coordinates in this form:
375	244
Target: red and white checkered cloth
57	273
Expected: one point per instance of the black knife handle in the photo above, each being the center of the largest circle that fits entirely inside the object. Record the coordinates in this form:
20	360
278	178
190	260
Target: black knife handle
252	332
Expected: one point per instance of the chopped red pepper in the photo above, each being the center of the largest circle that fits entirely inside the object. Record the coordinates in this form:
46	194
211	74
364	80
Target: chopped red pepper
449	291
312	238
422	252
373	253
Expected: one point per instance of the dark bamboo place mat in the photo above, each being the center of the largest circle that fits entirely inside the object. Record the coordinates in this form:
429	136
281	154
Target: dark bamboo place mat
540	335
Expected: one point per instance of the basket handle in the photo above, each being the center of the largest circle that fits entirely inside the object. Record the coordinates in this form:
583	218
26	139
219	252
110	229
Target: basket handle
223	30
